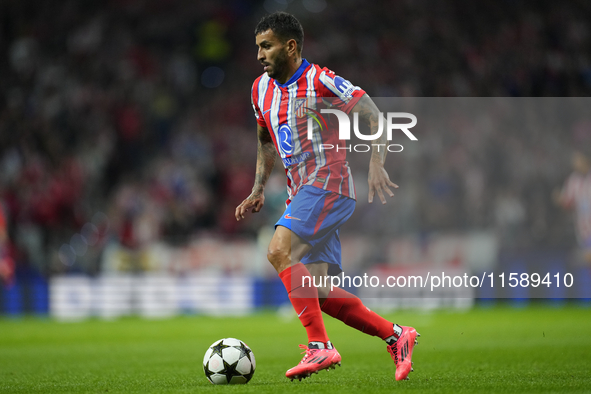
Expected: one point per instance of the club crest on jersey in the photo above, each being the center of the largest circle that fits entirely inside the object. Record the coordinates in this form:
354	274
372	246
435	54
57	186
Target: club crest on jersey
285	139
300	108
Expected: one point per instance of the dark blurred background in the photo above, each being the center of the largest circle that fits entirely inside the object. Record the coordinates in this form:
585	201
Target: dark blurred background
129	121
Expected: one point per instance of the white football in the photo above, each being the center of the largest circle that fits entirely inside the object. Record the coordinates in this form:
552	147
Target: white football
229	361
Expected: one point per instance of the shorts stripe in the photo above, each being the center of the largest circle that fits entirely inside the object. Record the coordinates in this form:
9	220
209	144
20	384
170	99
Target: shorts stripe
329	201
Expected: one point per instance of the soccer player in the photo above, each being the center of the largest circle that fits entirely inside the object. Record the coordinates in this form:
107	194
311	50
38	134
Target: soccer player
576	195
321	191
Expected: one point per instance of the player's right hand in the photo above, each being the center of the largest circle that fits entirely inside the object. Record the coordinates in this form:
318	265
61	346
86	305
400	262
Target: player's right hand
253	203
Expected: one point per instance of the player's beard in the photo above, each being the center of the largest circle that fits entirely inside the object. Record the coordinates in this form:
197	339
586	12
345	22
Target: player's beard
279	65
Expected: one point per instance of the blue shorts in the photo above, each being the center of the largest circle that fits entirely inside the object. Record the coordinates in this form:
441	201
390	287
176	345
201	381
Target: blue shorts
316	215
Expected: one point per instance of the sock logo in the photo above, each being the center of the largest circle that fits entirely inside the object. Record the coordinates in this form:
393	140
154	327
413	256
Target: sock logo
397	331
300	314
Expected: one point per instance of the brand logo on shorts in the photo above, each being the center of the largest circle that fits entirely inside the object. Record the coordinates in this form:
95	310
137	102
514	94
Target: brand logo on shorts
288	216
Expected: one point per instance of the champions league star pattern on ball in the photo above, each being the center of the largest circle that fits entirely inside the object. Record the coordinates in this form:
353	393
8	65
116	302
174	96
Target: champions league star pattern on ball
284	110
229	361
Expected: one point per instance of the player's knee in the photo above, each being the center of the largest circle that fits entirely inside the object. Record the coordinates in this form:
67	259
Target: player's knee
323	292
278	257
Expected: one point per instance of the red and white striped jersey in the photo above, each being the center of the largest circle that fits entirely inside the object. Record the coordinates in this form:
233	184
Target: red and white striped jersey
284	109
577	194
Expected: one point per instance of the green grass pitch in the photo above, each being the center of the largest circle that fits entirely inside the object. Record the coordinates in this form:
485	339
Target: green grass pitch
536	349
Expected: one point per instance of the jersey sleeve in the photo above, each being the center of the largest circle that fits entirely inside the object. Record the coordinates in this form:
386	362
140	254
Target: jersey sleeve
254	99
345	93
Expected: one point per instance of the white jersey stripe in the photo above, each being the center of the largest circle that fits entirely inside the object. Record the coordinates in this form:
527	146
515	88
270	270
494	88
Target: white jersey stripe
274	115
263	86
320	157
351	186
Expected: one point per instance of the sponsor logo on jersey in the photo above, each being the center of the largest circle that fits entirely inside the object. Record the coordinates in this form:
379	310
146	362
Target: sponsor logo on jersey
285	139
343	86
290	161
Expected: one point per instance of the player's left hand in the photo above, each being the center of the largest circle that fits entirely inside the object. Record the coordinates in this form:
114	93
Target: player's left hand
379	181
253	203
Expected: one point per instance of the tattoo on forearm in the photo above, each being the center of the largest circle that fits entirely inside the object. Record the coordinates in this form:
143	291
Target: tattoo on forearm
266	156
369	113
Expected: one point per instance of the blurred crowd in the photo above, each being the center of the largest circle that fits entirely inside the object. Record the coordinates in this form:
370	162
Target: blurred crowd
140	110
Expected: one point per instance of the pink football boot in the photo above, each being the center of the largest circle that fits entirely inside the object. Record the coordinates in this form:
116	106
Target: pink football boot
314	360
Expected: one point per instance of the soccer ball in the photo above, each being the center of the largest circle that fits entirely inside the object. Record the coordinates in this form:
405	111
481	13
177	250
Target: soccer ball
229	361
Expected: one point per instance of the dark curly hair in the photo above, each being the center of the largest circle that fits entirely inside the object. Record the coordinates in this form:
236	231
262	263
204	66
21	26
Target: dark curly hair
284	25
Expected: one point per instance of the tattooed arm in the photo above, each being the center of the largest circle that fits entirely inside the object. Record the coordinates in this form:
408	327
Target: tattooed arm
266	155
378	178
